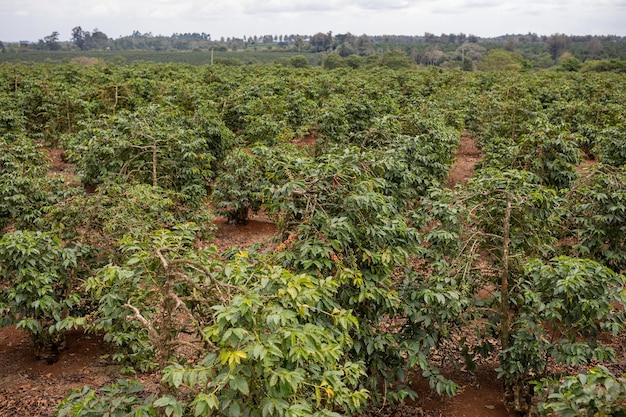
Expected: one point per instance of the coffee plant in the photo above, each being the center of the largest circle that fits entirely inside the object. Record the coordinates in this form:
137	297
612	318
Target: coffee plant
268	341
338	220
594	393
279	348
610	147
40	278
123	398
563	307
156	146
508	217
238	187
115	210
597	219
140	299
25	188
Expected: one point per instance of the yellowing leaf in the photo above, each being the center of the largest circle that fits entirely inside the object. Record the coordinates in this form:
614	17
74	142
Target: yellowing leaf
232	357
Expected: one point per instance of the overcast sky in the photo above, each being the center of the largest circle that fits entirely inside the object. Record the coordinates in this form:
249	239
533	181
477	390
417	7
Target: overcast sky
34	19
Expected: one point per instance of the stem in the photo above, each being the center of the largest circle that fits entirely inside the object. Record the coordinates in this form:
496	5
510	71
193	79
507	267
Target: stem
154	162
505	330
116	99
69	119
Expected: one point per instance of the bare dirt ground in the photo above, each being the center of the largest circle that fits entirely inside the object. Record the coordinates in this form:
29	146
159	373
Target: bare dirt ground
258	230
32	388
467	156
29	387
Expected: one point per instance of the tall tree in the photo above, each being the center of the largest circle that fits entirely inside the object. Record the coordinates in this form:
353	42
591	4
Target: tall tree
299	43
363	44
321	41
52	41
96	40
557	44
594	48
78	37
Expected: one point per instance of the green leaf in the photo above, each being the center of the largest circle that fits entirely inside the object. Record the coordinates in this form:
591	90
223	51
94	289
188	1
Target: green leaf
241	385
172	406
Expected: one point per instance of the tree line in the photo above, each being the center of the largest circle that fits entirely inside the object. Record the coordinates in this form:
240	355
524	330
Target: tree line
450	51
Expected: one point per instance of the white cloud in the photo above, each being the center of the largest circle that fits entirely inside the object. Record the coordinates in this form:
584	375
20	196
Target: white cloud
34	19
385	4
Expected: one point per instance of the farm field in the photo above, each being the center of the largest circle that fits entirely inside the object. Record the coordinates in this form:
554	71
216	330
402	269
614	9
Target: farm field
272	241
199	57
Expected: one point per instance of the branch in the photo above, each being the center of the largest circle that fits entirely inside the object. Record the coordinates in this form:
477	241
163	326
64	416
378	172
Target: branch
137	316
201	268
146	147
197	346
162	258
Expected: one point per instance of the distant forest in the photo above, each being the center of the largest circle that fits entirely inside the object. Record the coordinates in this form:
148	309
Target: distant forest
455	51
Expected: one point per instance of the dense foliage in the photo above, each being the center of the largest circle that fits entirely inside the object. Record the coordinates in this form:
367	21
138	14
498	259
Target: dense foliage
597	392
380	267
40	279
